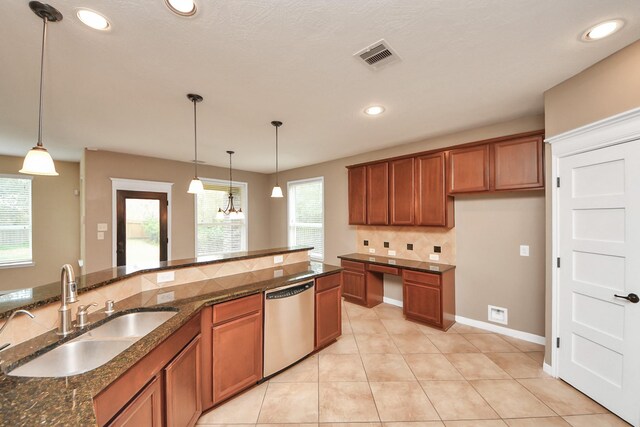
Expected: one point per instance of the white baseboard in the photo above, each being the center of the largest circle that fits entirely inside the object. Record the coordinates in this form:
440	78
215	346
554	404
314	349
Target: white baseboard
392	301
548	370
526	336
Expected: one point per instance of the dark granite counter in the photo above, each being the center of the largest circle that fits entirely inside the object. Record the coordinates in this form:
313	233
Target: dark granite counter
38	296
69	400
427	267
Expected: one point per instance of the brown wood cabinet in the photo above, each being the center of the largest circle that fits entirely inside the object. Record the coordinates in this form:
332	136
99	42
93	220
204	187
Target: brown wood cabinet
401	191
361	286
517	164
183	398
354	288
145	410
328	309
429	298
469	169
433	206
378	194
237	346
358	195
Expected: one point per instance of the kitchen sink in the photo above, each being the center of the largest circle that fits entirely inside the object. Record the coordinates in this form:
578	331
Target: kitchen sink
95	347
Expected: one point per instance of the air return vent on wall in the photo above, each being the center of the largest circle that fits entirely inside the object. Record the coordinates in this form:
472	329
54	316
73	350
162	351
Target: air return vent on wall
378	55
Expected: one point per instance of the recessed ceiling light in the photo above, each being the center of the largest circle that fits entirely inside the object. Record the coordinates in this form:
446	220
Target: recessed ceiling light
602	30
93	19
374	110
181	7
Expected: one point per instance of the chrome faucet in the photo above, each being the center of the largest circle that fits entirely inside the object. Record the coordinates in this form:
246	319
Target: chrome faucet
68	296
3	346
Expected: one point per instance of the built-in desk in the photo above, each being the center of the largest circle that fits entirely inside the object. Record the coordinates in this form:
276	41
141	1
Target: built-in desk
428	289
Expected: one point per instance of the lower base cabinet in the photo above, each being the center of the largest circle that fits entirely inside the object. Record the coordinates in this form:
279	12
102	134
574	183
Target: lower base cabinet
429	298
183	397
328	309
144	410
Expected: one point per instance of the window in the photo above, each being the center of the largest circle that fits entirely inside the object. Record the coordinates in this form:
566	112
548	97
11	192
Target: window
214	236
306	215
15	220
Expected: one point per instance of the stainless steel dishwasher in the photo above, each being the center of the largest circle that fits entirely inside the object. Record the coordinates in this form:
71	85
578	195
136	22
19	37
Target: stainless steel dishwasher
288	325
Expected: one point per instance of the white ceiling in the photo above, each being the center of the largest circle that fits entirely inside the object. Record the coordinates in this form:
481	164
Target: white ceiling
464	63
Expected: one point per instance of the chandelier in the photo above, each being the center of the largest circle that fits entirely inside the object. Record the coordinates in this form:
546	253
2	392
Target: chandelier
230	212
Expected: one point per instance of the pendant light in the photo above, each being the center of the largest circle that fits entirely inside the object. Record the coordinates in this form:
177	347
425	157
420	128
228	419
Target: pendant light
276	193
230	211
38	161
195	187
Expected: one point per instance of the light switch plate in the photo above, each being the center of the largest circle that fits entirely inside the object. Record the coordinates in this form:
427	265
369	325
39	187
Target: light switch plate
278	259
434	257
278	273
102	226
372	251
392	252
166	276
524	250
100	235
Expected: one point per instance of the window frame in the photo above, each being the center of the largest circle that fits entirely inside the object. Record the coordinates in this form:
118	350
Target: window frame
290	208
244	243
30	262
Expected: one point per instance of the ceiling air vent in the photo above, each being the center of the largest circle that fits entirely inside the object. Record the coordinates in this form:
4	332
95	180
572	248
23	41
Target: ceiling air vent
378	55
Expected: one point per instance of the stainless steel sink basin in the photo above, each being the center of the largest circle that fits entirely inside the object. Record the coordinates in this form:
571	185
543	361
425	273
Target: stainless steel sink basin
94	348
131	325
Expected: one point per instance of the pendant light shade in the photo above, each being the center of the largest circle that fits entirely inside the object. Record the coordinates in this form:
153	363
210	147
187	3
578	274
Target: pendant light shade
38	161
195	187
276	193
230	212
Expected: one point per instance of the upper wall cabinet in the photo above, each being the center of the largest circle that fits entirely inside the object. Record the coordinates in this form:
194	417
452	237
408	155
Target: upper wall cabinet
378	194
358	195
517	164
433	206
469	169
401	191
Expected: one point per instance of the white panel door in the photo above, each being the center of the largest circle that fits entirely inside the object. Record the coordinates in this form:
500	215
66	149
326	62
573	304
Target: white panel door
599	247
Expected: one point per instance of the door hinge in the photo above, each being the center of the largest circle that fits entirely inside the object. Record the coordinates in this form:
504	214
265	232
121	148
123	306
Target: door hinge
558	342
167	241
558	182
558	262
168	201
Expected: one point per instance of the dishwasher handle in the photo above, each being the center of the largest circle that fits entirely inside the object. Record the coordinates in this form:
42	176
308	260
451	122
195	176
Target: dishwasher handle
289	292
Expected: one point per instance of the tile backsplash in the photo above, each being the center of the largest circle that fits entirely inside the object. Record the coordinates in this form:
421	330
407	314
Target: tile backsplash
423	240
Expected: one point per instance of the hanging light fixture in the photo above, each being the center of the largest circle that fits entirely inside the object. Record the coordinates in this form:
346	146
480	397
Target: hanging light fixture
277	191
230	211
38	161
196	185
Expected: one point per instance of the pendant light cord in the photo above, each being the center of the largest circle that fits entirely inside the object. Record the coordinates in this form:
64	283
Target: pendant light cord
44	39
230	177
277	156
195	136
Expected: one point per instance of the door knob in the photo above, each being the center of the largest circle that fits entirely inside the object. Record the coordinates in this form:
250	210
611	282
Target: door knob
631	297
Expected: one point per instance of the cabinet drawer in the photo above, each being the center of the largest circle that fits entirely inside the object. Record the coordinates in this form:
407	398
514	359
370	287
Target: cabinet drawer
328	282
237	308
383	269
351	265
426	278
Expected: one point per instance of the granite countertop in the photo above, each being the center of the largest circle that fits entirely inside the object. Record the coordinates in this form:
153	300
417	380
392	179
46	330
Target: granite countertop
30	298
409	264
69	400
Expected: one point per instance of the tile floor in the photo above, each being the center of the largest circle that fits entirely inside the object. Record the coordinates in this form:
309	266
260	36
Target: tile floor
385	369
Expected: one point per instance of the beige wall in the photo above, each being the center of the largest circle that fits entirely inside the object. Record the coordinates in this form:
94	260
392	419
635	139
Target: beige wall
56	225
607	88
523	211
100	166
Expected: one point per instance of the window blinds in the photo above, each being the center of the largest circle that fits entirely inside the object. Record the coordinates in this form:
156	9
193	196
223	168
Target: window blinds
15	220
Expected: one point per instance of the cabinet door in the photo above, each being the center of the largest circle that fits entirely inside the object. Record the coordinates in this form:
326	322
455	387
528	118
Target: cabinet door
422	302
237	355
183	387
353	286
433	206
378	194
401	191
358	195
328	316
145	409
517	164
469	169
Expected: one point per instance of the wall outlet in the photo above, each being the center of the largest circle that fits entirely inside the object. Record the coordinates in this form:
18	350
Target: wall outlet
392	261
372	251
498	314
278	273
434	257
524	250
103	226
100	235
166	297
278	259
166	276
391	252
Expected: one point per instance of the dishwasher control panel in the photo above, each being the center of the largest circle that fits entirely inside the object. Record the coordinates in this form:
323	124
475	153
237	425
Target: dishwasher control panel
288	292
